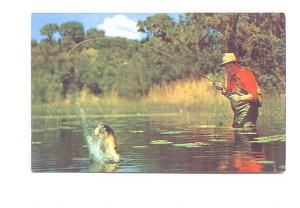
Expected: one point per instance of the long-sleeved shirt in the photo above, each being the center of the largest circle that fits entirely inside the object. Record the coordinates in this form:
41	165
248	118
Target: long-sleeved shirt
243	79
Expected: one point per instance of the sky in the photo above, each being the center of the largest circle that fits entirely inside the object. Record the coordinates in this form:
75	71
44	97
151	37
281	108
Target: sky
114	24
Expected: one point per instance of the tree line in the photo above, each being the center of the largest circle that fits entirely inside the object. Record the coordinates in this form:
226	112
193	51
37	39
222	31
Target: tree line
132	67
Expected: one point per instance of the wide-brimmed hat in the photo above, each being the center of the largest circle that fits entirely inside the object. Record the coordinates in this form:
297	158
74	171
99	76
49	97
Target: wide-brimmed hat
228	58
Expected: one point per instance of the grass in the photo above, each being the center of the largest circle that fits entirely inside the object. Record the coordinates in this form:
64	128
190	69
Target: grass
187	92
181	96
178	97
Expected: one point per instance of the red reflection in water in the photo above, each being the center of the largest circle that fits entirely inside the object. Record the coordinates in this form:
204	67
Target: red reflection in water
247	162
248	154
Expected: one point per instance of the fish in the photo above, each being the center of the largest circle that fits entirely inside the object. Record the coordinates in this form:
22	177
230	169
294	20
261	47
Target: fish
102	144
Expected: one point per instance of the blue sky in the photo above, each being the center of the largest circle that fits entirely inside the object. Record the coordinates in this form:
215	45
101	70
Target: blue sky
113	24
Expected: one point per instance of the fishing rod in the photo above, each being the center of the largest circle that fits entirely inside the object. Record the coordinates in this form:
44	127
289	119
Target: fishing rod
78	44
173	58
76	71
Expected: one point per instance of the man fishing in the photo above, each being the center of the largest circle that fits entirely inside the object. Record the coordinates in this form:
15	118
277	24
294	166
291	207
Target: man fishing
242	92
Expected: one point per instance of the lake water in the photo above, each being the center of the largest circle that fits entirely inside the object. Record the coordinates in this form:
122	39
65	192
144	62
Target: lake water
162	143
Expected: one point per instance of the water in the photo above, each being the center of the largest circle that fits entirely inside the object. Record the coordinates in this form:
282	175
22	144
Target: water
161	143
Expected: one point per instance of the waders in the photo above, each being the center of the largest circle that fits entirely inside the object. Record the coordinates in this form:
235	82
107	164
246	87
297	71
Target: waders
244	113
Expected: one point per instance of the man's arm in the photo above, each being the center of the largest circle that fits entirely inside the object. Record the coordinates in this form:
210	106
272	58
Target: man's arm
243	98
220	86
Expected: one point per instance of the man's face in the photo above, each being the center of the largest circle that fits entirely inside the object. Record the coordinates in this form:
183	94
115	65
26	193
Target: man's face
231	68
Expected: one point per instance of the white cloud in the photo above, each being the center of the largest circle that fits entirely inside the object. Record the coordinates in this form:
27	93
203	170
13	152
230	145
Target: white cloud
121	26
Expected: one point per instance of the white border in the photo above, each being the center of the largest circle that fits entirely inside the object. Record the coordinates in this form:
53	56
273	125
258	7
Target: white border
21	188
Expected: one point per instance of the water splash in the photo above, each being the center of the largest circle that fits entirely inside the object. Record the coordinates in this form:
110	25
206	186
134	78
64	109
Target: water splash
95	152
83	121
94	146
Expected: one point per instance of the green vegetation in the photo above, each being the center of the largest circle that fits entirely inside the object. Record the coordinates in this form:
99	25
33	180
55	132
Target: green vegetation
267	139
217	140
172	132
140	147
160	141
117	68
191	145
265	162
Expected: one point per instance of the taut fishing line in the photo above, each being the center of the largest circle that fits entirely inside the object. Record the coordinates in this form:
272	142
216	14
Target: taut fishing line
81	110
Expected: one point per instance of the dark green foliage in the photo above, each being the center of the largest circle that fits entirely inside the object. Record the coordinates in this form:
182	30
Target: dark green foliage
72	30
131	68
34	43
94	33
49	30
160	25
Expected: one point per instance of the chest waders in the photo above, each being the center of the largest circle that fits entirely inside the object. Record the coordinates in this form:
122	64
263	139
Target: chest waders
244	113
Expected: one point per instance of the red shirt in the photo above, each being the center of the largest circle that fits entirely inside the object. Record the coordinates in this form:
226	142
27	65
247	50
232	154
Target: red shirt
243	78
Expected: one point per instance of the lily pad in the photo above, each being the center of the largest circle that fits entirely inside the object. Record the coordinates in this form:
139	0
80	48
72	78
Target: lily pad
67	127
217	140
200	143
247	133
160	141
137	131
187	145
206	126
36	142
37	130
51	129
213	136
172	132
140	147
43	130
80	158
266	139
265	162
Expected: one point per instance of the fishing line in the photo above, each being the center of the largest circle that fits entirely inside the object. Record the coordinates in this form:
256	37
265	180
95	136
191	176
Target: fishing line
81	110
173	58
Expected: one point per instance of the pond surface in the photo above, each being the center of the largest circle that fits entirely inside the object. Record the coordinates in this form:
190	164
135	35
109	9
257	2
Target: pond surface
161	143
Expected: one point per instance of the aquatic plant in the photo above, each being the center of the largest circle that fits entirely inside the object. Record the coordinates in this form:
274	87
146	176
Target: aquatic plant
266	139
190	145
160	141
172	132
140	147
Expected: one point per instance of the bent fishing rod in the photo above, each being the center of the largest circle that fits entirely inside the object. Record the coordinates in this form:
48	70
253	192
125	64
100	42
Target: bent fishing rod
173	58
75	46
77	73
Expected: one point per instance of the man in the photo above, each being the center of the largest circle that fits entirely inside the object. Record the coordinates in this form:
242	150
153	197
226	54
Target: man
242	92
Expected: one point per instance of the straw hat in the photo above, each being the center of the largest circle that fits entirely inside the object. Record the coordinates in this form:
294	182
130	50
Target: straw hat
228	58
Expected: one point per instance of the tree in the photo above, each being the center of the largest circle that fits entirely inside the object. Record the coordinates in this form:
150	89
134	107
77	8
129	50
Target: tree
131	68
73	31
34	43
94	33
49	30
160	25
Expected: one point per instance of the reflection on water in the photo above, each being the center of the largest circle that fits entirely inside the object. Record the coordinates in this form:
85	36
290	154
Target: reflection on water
184	144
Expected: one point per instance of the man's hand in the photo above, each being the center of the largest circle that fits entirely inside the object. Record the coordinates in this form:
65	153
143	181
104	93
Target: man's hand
236	98
219	86
244	98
